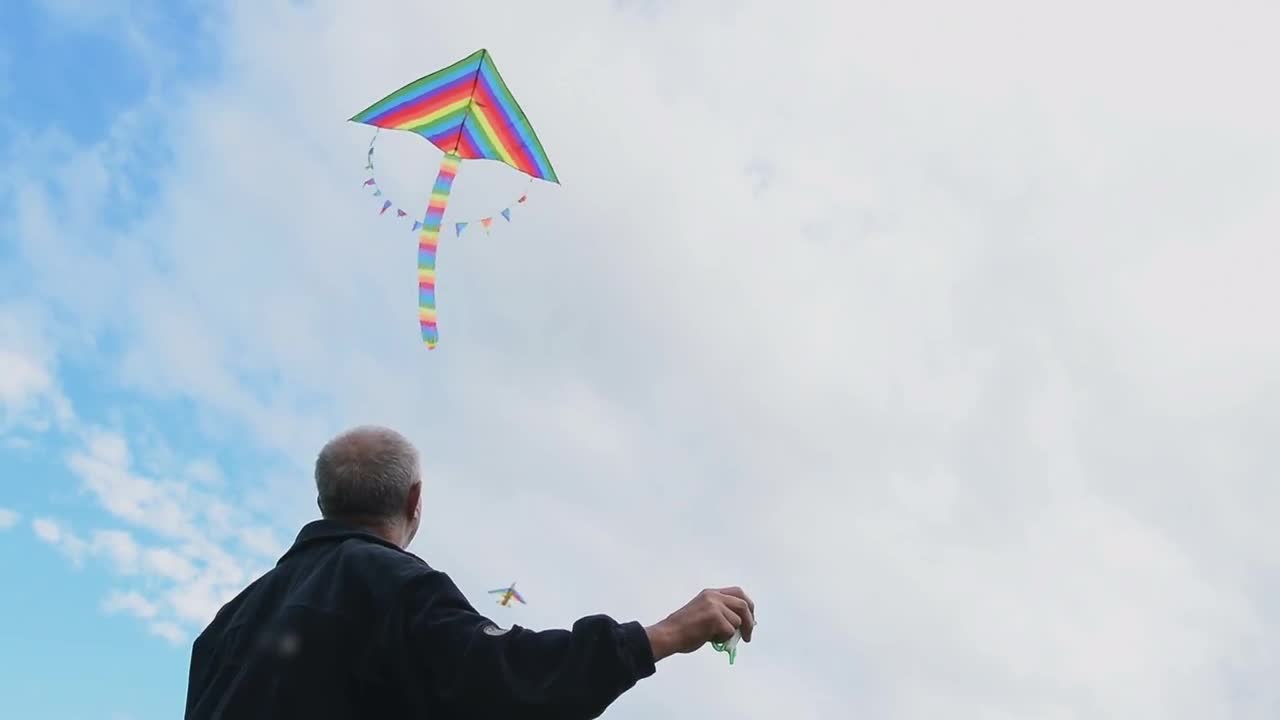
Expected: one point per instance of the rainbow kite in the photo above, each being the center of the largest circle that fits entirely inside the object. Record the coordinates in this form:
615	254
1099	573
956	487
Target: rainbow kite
467	112
507	594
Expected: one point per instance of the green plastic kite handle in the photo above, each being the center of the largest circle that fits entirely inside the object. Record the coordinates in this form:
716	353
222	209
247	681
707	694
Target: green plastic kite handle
730	646
724	648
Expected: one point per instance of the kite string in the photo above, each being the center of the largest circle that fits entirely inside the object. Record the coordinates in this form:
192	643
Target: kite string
460	225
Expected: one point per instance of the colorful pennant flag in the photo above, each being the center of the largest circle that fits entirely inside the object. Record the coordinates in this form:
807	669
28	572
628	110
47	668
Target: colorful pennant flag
459	227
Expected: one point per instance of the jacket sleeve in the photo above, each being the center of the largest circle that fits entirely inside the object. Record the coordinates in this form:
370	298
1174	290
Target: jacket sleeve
198	676
477	670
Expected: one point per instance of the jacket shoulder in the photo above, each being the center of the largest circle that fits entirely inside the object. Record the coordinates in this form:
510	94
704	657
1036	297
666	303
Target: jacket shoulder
390	574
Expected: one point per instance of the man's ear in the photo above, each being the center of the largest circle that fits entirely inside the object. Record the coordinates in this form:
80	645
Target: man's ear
413	501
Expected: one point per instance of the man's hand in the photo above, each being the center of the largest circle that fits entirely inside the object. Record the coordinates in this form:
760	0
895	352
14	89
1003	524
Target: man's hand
712	615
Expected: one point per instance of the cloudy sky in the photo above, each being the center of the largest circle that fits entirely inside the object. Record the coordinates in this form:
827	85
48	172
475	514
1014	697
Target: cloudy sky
945	329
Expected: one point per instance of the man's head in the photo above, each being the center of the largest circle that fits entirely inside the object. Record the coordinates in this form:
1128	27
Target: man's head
369	476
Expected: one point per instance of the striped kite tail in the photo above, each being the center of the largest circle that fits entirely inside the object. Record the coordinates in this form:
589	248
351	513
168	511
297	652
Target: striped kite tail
428	242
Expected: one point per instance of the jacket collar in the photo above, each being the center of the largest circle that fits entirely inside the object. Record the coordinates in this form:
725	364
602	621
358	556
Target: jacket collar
324	530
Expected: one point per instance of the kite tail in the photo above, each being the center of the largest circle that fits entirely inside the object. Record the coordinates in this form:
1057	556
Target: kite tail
428	241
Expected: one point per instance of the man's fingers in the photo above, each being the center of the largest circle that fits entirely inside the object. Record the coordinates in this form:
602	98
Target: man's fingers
740	602
726	623
740	606
737	592
733	610
743	609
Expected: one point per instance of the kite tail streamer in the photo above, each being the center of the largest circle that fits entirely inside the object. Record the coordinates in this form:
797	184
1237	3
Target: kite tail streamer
428	241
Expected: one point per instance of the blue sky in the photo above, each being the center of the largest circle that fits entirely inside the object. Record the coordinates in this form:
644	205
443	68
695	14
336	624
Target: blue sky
945	339
67	76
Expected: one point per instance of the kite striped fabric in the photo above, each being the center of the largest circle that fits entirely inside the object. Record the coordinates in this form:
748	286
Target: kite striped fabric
428	241
465	110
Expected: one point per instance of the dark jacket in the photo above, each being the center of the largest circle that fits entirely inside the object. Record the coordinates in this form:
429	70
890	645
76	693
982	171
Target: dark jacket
349	626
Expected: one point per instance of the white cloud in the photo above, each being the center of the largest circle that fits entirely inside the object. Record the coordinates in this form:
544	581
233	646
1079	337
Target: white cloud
46	529
30	397
130	602
21	378
169	565
185	584
944	337
104	468
205	472
65	540
117	546
169	631
262	541
120	548
8	518
188	567
197	602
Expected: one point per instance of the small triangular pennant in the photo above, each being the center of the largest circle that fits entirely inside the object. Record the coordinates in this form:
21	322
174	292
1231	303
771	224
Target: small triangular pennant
369	182
506	213
385	205
486	222
458	228
400	213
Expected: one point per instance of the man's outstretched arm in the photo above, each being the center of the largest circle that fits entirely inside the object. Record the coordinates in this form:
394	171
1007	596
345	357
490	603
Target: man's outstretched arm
478	671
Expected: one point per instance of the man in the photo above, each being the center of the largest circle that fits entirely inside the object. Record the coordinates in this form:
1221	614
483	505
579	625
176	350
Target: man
351	625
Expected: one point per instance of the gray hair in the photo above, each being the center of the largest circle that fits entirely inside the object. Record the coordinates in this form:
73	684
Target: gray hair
366	472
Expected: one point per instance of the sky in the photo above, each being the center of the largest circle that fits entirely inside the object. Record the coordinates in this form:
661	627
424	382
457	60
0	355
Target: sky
943	329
